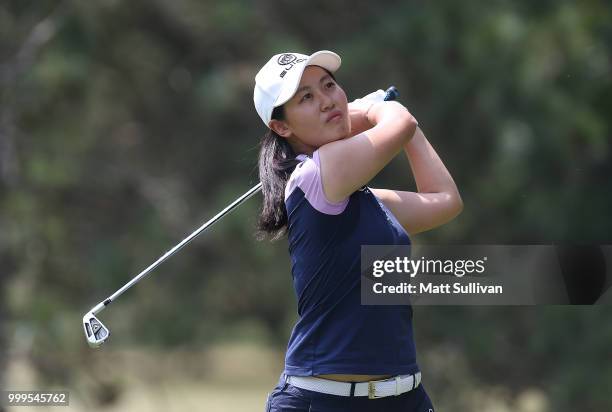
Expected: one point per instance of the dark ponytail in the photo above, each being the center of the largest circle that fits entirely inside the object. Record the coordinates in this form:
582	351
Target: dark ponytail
276	162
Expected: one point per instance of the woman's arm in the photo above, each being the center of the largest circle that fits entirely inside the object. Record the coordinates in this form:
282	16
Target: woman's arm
437	201
348	164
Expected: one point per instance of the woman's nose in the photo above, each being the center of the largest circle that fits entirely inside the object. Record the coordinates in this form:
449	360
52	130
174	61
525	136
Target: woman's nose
326	102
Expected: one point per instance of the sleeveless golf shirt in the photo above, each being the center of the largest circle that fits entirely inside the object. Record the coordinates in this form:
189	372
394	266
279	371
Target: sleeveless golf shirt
334	333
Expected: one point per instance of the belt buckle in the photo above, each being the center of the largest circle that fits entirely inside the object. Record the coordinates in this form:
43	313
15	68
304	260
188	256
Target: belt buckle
372	387
371	390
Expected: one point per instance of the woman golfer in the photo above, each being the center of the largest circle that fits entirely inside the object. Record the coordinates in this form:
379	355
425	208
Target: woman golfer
317	157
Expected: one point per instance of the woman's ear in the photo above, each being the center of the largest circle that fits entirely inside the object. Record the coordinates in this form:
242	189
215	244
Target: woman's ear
280	128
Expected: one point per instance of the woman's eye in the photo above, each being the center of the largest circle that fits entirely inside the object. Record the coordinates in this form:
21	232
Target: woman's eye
306	96
330	85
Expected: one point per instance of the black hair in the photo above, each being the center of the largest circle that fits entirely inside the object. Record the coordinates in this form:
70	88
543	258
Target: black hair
277	160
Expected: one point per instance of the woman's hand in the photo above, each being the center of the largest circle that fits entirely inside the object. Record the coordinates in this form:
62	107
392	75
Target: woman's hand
358	111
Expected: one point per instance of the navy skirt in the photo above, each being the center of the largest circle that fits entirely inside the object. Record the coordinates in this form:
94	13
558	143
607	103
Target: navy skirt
286	397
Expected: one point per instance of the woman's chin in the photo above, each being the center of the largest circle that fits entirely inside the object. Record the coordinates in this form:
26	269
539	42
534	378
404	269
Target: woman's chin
343	133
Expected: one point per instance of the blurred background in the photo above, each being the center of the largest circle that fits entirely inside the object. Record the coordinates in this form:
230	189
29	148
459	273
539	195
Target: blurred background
125	125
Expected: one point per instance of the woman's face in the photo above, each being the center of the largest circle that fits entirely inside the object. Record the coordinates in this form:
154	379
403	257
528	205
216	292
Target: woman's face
316	114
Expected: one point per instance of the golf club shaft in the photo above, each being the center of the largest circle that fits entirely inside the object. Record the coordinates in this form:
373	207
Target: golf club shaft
176	248
390	94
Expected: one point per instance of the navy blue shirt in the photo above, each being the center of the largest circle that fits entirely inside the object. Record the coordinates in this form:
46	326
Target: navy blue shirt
335	334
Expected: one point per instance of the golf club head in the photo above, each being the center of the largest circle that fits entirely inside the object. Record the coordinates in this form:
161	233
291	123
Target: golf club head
95	331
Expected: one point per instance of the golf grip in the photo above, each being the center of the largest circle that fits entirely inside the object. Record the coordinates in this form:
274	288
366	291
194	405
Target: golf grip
390	94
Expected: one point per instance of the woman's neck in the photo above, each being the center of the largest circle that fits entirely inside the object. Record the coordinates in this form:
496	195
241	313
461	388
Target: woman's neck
300	147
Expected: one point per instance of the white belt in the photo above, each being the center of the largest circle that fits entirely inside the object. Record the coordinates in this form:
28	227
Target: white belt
372	389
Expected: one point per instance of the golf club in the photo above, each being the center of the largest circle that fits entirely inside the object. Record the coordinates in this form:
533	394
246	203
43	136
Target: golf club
95	331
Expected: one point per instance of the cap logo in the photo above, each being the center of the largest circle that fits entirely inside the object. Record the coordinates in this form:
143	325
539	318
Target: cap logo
286	58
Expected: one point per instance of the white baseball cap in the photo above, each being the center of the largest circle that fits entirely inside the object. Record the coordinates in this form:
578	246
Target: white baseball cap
280	77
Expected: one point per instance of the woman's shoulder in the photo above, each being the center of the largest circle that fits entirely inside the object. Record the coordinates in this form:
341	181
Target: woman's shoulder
307	177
